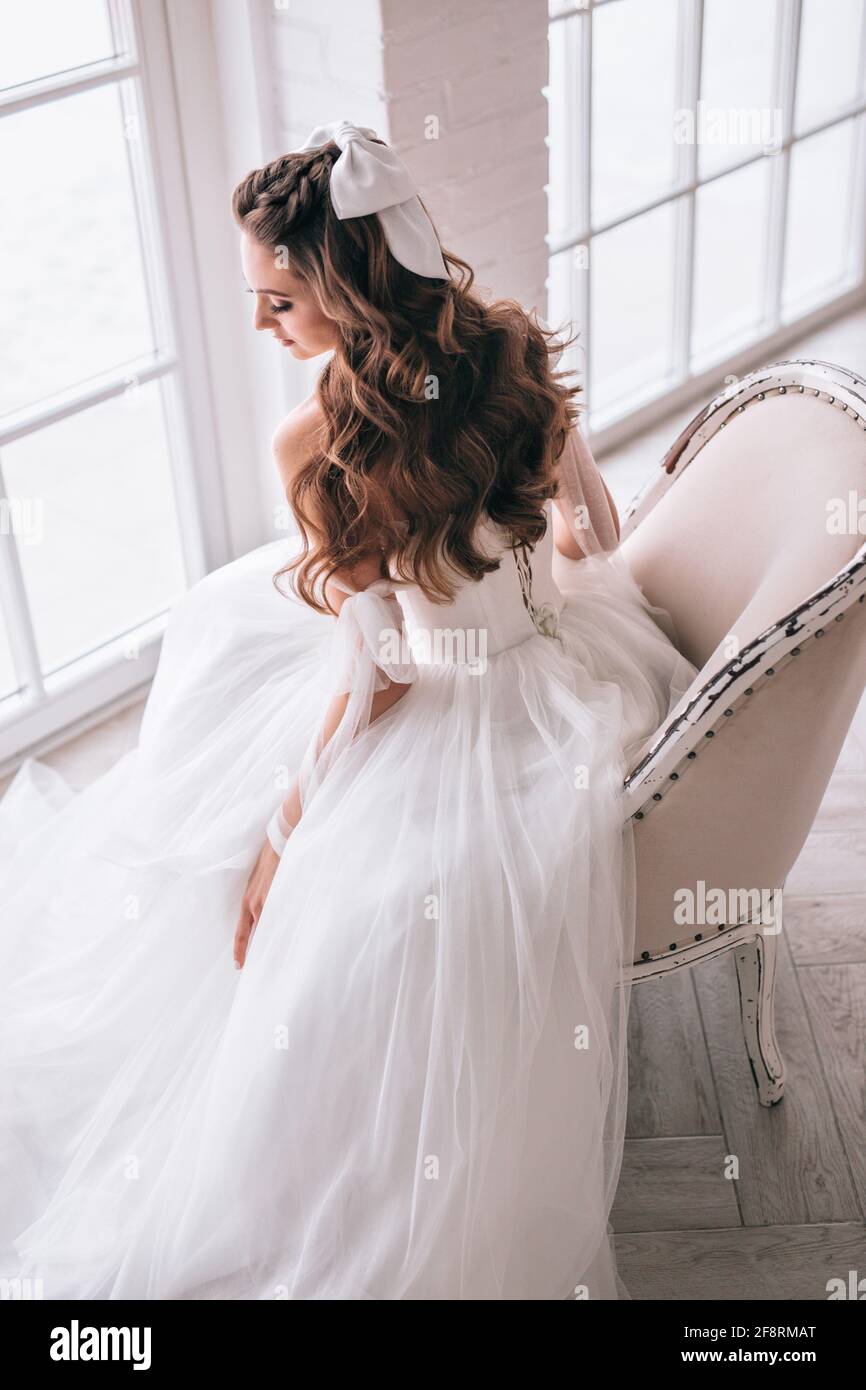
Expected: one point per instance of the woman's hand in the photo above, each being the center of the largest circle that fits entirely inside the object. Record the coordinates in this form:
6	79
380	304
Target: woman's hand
255	893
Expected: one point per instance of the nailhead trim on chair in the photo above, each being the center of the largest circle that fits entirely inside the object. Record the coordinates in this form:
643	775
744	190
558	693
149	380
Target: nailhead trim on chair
700	937
687	729
729	712
726	405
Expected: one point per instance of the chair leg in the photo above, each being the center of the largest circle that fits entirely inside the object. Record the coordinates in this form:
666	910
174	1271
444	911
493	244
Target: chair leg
756	977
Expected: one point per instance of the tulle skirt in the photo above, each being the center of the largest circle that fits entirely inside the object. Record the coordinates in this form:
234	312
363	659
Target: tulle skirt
416	1086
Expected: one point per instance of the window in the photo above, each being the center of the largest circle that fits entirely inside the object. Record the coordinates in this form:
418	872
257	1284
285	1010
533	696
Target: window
103	519
706	186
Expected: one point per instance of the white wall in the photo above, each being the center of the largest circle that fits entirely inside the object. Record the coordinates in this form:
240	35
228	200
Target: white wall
405	66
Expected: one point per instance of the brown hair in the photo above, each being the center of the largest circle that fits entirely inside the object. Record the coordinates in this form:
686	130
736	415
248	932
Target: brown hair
439	408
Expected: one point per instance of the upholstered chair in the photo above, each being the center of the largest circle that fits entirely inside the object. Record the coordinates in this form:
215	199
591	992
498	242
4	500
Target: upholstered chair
752	535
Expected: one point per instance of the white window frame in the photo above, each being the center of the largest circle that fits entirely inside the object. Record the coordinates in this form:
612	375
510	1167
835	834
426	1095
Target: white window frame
47	709
687	386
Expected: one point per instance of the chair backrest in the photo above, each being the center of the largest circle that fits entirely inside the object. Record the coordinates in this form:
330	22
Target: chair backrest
757	556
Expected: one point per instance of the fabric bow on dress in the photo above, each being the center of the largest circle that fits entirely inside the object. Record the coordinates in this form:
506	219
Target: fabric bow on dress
367	634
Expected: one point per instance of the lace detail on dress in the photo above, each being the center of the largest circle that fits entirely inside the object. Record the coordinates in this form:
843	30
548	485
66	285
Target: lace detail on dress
545	616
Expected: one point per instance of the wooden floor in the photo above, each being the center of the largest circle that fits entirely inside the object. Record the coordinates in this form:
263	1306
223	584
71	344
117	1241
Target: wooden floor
794	1217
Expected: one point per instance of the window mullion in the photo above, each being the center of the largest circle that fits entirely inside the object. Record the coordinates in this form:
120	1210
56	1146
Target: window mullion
856	206
18	424
849	112
858	181
583	308
16	608
689	57
173	281
155	233
788	17
122	28
72	83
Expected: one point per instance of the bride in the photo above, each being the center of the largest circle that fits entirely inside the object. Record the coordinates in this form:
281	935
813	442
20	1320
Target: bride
320	992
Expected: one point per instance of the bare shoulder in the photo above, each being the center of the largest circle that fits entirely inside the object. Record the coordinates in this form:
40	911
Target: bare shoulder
294	443
296	439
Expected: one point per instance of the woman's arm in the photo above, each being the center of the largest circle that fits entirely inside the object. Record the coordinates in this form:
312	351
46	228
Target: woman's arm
583	504
382	700
292	444
290	810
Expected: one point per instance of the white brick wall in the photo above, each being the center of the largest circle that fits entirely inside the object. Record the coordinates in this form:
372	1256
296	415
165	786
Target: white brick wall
477	69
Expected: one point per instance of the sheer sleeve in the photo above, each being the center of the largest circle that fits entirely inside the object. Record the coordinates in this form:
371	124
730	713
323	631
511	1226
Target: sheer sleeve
368	653
583	498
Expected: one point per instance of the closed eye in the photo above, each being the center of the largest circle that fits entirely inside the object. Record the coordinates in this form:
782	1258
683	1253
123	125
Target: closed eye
280	308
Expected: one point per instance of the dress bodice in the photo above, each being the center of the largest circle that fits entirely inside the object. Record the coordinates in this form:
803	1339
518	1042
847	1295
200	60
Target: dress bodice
503	608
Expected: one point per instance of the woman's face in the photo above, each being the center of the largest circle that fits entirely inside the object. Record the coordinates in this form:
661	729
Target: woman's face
284	306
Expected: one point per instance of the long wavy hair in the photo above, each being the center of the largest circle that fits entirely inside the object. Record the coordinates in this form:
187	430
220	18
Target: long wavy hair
438	408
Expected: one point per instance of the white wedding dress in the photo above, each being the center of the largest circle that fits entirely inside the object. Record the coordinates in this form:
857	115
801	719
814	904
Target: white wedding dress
416	1086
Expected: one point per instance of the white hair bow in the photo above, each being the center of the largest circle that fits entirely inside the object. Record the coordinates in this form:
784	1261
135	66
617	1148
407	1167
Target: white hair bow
373	178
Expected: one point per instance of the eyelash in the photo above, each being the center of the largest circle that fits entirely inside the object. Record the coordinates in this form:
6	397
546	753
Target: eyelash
280	308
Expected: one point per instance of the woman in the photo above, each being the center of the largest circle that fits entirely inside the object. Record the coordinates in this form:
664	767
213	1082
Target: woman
402	828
